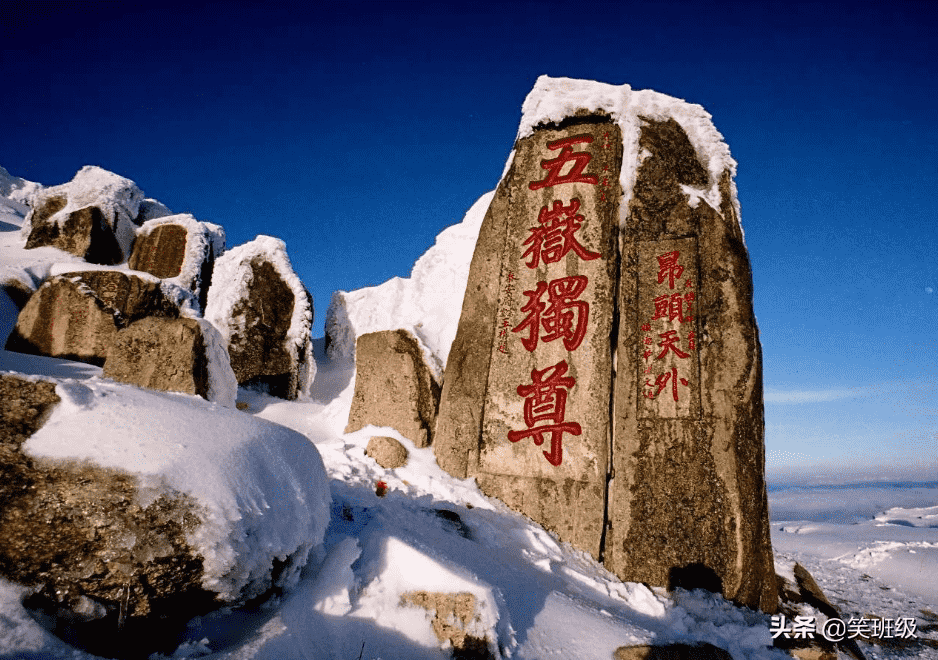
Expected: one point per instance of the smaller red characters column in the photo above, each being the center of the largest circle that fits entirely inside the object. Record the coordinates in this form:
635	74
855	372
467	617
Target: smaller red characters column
669	368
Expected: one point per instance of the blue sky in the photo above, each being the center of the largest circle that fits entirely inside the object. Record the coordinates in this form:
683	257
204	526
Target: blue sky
358	131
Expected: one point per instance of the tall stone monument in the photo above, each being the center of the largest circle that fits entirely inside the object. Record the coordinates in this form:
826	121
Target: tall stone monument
605	379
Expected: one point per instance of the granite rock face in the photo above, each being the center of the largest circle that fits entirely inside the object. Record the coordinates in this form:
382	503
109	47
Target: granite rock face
606	375
394	386
92	216
265	313
162	354
107	570
76	315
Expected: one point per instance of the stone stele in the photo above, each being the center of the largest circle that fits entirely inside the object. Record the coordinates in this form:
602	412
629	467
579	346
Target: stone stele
606	375
393	386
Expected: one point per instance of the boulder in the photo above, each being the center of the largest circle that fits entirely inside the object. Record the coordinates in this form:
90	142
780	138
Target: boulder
264	314
91	217
180	249
76	315
174	355
806	598
394	386
127	512
105	568
387	452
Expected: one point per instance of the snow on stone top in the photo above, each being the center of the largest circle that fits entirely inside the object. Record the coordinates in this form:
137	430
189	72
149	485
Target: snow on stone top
428	303
553	99
118	198
263	488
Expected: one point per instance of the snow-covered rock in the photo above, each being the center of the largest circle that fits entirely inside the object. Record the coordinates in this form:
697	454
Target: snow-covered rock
264	314
180	250
92	216
260	489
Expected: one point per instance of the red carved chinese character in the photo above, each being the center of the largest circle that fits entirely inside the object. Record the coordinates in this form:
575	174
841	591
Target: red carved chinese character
662	381
545	399
580	160
554	238
670	339
688	284
669	267
558	317
646	327
691	338
672	307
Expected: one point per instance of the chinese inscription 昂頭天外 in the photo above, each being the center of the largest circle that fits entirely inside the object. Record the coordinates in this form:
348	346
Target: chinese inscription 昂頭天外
668	295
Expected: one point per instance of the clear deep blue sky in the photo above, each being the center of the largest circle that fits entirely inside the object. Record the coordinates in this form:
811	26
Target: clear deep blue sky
358	131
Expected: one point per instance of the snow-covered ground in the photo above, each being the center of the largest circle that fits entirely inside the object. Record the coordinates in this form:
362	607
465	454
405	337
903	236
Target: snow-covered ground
873	548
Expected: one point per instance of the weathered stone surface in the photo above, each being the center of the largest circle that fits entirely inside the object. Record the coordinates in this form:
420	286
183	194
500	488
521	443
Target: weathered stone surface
161	251
265	313
84	233
672	652
161	354
181	249
453	614
387	452
90	217
394	386
535	346
107	570
687	504
76	315
668	367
